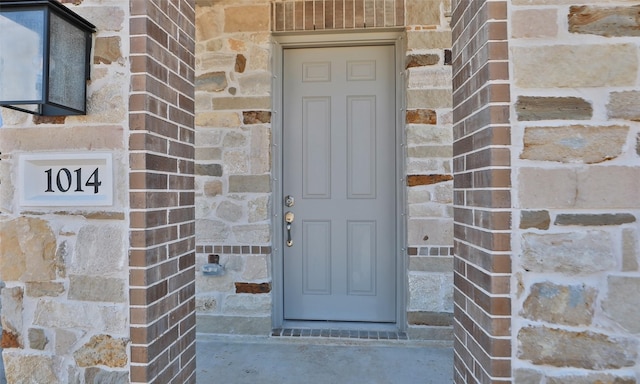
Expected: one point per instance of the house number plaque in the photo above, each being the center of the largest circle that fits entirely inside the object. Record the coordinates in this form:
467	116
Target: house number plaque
68	180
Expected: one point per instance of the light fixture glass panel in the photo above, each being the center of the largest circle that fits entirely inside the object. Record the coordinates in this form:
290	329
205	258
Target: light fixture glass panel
21	62
68	46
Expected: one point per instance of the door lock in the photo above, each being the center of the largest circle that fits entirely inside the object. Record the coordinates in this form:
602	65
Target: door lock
289	201
288	218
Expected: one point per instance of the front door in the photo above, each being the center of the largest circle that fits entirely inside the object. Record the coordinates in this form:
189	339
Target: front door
339	177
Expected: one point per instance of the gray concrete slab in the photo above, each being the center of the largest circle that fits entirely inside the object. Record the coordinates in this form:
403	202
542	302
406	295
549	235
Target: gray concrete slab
285	360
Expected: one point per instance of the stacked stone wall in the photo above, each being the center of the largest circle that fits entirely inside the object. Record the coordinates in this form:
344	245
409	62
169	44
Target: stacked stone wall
233	154
65	312
429	137
576	180
233	164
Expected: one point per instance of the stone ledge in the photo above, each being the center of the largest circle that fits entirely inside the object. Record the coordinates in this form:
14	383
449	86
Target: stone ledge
560	304
256	117
595	219
574	143
533	108
604	21
422	116
253	287
535	219
416	180
422	60
587	350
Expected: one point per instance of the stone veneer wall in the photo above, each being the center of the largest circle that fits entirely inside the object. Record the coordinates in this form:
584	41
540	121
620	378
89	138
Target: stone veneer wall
107	295
161	144
576	160
429	140
65	312
233	164
233	155
482	193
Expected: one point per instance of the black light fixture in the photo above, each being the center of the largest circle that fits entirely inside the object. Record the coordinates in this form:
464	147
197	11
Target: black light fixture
45	53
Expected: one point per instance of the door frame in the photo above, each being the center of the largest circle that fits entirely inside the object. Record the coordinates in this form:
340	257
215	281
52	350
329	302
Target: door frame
280	42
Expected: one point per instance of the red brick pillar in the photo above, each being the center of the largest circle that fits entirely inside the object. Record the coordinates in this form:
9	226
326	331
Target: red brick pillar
162	232
482	193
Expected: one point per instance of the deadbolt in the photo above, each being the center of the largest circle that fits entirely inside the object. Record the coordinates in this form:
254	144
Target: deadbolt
289	201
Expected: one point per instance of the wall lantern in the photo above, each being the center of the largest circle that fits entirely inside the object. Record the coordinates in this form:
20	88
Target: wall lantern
45	53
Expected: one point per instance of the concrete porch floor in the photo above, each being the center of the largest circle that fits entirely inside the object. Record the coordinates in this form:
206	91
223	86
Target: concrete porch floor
317	360
286	360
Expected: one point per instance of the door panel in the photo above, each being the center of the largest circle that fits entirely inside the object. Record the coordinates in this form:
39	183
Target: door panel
361	256
316	139
316	257
361	147
339	166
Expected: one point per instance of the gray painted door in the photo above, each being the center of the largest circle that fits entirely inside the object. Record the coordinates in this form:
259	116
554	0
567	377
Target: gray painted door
339	167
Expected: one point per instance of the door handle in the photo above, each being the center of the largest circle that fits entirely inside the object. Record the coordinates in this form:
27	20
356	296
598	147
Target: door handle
288	218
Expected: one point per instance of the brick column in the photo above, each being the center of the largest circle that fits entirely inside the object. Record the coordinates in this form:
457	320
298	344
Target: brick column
162	233
482	193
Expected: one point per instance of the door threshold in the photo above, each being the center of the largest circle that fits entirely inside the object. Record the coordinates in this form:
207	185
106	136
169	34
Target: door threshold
342	325
342	330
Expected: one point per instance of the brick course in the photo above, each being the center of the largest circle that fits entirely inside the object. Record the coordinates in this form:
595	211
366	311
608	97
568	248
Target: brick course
292	15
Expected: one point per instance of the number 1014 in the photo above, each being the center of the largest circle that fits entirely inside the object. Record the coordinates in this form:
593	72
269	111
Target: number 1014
65	179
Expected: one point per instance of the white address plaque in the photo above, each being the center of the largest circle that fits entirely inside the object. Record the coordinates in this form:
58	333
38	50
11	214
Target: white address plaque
66	179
